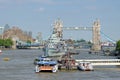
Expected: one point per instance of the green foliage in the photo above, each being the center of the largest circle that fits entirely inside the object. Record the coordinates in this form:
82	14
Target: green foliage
89	42
81	40
1	42
118	46
6	43
28	41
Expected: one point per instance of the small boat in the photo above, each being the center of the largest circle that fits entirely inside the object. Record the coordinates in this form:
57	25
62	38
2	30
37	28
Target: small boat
46	64
85	66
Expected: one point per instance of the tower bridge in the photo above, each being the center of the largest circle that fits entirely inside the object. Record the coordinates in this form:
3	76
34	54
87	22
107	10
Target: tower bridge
95	32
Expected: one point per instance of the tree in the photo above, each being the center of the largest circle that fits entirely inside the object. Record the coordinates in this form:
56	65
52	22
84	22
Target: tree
8	43
118	46
1	42
28	43
81	40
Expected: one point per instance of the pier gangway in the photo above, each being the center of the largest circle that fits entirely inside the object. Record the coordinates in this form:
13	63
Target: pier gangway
101	62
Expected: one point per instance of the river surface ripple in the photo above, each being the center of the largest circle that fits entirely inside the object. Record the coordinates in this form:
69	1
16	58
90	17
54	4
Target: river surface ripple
21	67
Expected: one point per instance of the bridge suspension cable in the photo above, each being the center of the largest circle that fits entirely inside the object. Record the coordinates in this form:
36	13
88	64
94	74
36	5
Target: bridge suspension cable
107	37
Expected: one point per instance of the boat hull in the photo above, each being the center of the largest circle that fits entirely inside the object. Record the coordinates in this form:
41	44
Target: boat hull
47	68
85	66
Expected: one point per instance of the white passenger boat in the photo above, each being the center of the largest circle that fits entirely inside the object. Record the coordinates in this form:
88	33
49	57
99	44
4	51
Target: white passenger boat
46	64
85	66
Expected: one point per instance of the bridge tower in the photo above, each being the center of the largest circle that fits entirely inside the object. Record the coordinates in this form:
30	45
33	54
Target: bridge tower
96	36
58	28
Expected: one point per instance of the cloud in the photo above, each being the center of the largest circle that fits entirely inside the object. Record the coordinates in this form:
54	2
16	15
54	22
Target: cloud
41	9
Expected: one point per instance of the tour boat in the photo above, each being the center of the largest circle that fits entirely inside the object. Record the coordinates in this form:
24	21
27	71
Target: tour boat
46	64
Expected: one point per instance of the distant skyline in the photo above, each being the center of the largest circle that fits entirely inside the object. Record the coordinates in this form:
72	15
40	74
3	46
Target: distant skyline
39	16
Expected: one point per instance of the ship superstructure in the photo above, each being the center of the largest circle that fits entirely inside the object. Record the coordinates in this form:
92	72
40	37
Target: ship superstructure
56	46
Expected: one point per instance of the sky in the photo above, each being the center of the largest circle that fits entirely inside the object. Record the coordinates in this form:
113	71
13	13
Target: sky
39	16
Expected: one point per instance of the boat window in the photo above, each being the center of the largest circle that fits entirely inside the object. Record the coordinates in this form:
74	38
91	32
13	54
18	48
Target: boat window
41	60
52	64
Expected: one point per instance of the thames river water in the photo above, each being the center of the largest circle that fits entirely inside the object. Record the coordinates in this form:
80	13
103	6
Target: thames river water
20	67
